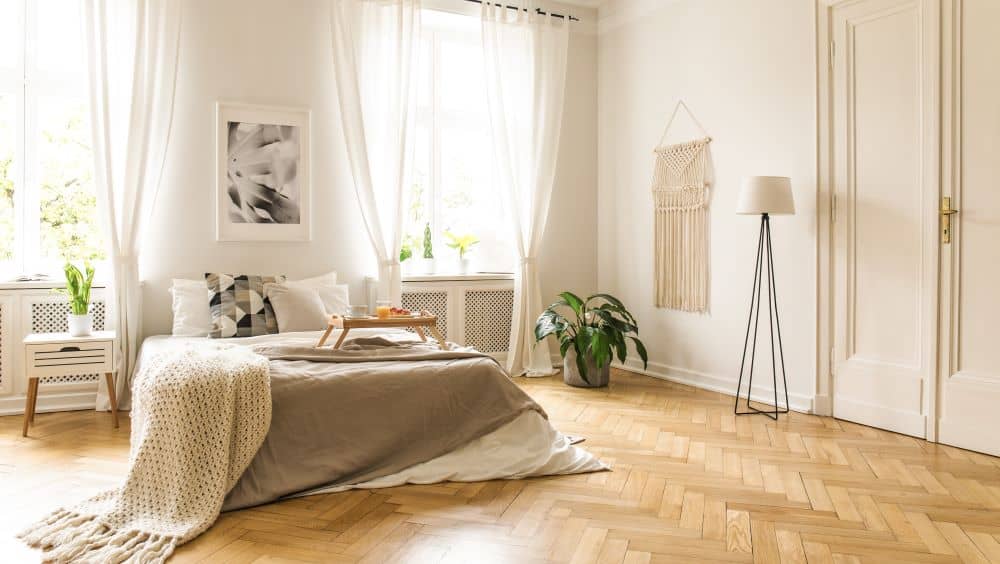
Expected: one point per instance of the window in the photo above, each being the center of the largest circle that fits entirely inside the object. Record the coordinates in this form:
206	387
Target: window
454	178
48	208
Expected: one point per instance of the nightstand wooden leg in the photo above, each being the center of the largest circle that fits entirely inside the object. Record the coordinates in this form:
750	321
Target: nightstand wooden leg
33	384
29	405
110	379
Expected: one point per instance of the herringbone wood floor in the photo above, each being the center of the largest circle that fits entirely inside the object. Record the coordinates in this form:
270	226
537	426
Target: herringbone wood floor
690	483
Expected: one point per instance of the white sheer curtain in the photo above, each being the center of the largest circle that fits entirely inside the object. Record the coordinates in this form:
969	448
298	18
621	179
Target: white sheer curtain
375	46
525	61
131	50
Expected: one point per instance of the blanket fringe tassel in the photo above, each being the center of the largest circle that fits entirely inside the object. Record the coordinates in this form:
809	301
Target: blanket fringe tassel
68	536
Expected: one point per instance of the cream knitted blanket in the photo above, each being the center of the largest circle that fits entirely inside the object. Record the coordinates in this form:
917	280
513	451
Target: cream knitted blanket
199	414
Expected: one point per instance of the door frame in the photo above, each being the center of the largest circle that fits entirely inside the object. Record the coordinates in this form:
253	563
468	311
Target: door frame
826	205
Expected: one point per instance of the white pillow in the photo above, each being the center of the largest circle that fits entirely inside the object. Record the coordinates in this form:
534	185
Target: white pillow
336	298
328	279
296	307
192	317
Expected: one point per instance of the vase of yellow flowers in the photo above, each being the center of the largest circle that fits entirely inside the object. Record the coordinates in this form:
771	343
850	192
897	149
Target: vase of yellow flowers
462	244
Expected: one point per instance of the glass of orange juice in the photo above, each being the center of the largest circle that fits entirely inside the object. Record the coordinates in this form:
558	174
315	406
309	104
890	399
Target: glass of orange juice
382	309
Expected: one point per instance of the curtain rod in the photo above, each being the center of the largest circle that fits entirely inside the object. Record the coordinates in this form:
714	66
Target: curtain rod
539	11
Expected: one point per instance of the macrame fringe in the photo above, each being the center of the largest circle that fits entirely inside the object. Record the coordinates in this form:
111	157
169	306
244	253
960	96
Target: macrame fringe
680	203
69	537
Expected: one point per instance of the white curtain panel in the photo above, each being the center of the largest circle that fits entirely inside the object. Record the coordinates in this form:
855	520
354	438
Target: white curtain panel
525	61
375	47
131	50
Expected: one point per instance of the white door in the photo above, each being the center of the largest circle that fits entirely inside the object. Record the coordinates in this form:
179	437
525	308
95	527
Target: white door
969	390
885	159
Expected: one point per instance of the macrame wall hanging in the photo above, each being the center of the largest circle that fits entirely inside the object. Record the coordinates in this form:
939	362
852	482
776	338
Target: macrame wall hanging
681	180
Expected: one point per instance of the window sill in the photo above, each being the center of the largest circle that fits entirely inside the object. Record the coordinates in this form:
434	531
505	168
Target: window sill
478	276
41	284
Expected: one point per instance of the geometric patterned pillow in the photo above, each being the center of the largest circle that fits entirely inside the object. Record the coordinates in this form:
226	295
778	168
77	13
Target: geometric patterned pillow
238	305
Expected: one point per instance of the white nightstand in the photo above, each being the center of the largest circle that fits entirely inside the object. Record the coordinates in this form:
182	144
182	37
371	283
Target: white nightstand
59	354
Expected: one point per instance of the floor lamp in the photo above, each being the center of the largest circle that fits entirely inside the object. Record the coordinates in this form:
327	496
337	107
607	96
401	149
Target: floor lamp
767	196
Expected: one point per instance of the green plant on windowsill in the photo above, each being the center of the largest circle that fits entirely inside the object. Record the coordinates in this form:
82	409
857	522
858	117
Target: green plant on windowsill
409	246
597	332
428	242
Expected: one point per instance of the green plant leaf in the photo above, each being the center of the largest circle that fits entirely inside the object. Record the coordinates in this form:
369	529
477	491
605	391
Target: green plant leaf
619	310
600	347
564	344
608	319
548	323
78	287
619	345
641	349
575	303
580	344
609	298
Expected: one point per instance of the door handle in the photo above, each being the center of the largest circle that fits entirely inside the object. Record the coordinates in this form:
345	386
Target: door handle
946	212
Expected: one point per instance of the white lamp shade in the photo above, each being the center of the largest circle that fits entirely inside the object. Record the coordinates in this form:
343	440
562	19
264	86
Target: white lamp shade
766	194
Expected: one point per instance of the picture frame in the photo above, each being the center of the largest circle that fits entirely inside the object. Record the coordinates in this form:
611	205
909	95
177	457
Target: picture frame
263	177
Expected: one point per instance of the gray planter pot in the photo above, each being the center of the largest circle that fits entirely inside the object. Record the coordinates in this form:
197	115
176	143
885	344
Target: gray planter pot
599	377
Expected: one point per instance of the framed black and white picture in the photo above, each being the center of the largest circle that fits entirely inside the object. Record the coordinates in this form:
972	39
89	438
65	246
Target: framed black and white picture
263	191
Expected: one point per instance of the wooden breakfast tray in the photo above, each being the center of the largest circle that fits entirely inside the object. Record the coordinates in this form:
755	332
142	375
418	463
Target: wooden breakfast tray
418	323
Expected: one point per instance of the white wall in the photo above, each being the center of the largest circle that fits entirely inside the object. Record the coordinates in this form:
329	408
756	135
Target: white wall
277	52
746	68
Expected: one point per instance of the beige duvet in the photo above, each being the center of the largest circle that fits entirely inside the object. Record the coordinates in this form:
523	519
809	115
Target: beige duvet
368	411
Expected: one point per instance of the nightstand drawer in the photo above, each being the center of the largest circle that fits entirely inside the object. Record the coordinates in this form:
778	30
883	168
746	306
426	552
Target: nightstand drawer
58	359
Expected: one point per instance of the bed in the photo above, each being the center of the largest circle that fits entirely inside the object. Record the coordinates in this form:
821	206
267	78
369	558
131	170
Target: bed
387	412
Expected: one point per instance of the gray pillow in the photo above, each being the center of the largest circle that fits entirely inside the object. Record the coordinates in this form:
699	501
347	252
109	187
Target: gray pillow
238	306
297	308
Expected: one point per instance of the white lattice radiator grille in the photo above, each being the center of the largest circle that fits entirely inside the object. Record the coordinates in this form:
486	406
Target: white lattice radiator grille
50	317
434	301
487	319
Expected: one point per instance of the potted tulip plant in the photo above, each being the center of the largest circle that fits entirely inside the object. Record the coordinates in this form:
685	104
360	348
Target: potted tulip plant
77	290
596	333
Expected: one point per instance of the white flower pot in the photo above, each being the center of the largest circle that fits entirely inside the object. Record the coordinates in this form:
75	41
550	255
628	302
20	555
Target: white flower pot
80	325
427	265
465	266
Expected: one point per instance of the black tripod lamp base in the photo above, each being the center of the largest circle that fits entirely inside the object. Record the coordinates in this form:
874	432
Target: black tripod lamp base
764	269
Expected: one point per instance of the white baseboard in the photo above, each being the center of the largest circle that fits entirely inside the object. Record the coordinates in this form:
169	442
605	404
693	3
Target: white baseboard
896	420
68	401
971	437
797	402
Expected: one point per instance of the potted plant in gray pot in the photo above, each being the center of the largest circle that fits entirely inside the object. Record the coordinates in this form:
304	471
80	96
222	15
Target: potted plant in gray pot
597	332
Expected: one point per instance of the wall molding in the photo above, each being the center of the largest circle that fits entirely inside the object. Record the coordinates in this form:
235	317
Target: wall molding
797	402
